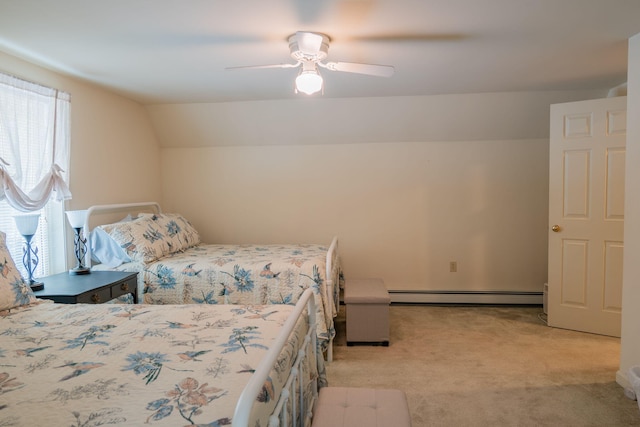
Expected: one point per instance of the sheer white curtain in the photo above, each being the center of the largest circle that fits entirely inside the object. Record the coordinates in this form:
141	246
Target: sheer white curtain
34	160
34	123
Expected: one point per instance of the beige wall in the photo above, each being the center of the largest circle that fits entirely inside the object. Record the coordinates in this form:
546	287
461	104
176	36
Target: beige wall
402	211
630	349
114	152
402	207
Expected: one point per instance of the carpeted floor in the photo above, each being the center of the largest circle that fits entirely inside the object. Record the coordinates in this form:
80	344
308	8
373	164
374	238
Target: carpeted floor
489	366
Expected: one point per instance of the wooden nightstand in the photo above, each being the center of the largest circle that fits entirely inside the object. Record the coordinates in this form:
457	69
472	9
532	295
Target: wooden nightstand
94	288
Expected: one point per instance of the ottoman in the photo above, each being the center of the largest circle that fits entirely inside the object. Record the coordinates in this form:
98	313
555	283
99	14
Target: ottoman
367	311
359	407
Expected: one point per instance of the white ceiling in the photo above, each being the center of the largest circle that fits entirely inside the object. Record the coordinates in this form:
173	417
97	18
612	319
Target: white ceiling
168	51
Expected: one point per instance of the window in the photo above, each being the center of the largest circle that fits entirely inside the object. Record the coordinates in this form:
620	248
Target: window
34	158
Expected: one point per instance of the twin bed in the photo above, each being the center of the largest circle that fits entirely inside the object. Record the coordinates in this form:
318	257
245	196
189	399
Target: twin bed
134	364
175	267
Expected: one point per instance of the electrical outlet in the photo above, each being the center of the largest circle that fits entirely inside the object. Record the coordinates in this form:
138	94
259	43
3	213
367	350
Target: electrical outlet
453	266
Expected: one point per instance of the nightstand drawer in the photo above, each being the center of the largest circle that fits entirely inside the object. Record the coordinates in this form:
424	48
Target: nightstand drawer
125	287
97	296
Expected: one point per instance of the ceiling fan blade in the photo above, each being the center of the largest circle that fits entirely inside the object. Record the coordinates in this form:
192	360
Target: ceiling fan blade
408	37
352	67
309	43
263	66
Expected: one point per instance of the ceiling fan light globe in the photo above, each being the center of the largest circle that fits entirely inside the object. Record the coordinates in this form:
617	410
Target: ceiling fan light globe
309	82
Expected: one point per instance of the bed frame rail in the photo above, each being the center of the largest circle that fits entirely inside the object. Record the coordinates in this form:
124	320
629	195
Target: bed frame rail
288	411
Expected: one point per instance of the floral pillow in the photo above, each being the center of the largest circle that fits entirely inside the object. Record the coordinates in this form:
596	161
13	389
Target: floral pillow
153	236
14	291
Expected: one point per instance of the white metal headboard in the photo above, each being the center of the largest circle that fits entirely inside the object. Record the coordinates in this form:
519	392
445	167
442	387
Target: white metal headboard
124	208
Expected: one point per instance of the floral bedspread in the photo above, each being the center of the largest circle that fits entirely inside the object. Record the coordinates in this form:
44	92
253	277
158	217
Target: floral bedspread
91	365
241	274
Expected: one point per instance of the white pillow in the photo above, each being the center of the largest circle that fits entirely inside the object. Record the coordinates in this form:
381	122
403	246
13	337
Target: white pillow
105	250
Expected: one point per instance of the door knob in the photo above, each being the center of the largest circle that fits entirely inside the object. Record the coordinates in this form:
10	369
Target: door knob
555	228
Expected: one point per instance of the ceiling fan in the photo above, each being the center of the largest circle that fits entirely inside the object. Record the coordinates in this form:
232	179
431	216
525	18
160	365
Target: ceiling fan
309	49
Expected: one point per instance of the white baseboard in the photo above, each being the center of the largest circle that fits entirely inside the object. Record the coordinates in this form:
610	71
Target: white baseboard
623	381
465	297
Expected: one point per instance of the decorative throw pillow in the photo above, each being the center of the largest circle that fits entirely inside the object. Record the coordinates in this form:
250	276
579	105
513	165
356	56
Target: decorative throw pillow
14	291
152	236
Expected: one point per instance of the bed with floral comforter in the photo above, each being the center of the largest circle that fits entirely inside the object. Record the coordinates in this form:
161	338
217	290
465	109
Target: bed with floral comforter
176	268
94	365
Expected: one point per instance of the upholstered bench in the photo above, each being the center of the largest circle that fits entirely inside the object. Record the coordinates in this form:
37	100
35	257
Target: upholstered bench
367	311
360	407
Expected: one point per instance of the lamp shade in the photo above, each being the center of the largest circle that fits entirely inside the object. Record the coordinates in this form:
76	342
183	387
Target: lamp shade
76	218
27	224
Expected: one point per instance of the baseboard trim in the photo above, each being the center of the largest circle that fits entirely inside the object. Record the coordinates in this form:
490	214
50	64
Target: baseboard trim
623	381
466	297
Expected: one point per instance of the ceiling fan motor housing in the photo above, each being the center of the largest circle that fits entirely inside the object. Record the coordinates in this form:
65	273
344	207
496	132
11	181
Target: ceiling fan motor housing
299	53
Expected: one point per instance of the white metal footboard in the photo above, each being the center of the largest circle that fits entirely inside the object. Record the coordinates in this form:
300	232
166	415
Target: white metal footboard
332	290
289	411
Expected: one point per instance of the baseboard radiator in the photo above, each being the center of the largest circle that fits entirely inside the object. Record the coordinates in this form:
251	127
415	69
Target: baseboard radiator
465	297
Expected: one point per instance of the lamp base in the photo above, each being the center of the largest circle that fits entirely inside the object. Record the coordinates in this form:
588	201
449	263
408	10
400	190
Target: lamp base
36	286
79	270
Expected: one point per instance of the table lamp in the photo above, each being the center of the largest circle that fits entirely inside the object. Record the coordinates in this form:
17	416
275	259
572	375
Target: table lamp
76	220
27	225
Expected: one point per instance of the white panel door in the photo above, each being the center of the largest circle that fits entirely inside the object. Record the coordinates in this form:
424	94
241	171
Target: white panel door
586	215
